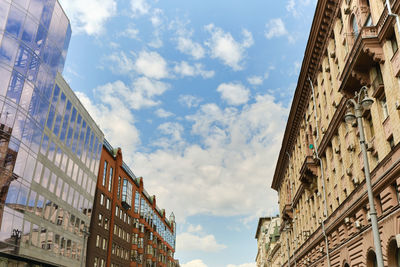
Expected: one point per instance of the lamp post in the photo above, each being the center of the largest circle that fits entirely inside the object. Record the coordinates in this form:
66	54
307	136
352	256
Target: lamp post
360	103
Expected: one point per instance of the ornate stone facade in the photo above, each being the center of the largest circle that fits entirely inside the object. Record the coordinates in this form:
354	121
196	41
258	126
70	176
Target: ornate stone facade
267	236
319	175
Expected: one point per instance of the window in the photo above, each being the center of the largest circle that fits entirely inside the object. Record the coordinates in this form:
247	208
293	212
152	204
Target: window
106	223
104	244
126	194
397	192
108	203
100	219
101	199
137	202
97	241
110	179
119	187
384	108
391	142
104	174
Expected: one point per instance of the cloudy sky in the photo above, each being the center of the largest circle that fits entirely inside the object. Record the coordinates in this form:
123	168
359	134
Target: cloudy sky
196	93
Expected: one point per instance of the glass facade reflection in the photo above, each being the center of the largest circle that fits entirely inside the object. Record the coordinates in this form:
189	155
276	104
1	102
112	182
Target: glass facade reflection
49	145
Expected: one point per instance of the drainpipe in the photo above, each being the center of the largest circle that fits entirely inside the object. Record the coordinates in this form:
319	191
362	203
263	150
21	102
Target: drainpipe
394	15
294	224
322	177
288	243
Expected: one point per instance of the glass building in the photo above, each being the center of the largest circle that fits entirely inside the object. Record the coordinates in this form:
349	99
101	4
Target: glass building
49	145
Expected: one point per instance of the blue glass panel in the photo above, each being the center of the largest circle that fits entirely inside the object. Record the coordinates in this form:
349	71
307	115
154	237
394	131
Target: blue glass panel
28	132
85	147
41	78
81	139
65	121
71	127
8	50
61	104
15	21
50	118
47	13
55	96
30	28
61	32
13	192
45	143
4	80
55	60
15	87
22	59
34	104
26	95
19	125
36	7
22	196
42	111
48	87
22	3
37	135
76	135
57	124
4	8
40	38
33	68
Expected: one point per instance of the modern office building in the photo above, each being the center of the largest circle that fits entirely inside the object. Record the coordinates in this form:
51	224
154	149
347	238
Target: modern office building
49	145
127	229
322	173
267	236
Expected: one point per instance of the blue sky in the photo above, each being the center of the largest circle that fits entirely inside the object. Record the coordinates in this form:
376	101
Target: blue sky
196	93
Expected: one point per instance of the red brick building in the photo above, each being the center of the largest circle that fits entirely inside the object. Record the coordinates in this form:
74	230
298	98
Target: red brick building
127	227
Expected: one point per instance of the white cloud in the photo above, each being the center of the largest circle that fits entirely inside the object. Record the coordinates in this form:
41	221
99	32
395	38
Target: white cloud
234	93
275	28
113	115
143	92
139	7
255	80
89	16
131	32
152	65
162	113
224	47
297	8
235	152
251	264
194	263
121	63
187	46
184	69
198	242
189	101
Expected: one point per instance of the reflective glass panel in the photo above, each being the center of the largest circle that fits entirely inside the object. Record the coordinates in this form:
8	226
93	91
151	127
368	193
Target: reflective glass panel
15	21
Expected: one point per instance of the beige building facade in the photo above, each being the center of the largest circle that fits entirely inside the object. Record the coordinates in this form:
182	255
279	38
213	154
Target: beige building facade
268	245
319	176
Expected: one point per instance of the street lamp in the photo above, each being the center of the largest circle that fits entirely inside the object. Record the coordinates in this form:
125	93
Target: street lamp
360	103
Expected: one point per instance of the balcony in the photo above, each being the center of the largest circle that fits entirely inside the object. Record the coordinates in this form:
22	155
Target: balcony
287	214
309	172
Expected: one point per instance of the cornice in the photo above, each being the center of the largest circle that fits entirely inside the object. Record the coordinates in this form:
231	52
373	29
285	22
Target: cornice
321	29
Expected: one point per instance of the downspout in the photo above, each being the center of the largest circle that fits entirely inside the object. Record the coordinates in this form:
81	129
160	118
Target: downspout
322	176
294	224
394	15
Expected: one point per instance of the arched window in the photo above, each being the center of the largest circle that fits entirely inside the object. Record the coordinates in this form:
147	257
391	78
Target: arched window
371	259
354	25
393	254
346	265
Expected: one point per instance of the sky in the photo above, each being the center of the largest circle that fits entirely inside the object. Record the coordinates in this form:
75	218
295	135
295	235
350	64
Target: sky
197	94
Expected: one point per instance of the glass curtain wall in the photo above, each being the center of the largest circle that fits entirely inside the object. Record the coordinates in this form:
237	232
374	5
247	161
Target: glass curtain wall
49	145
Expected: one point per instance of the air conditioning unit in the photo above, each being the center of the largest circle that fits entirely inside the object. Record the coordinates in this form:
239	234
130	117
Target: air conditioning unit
333	54
308	260
337	149
355	180
321	249
349	172
347	220
319	221
323	130
327	69
368	216
347	10
357	224
318	194
314	216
